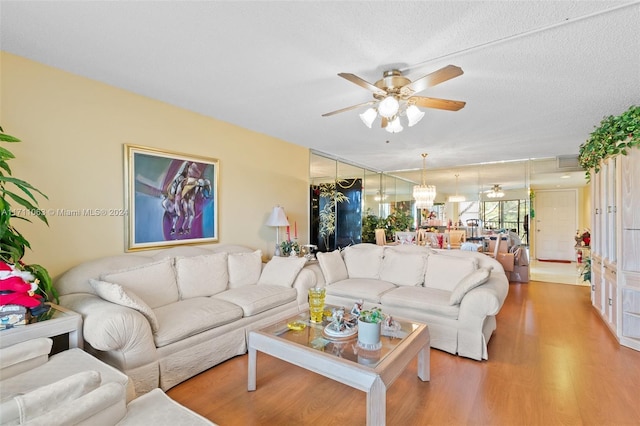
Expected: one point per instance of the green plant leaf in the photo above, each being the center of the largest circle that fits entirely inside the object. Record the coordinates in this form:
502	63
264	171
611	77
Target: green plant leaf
24	186
27	205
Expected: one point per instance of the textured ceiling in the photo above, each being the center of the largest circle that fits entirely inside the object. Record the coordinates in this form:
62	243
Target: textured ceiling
538	76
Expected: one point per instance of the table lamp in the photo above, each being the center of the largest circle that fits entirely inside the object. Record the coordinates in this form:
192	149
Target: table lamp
277	219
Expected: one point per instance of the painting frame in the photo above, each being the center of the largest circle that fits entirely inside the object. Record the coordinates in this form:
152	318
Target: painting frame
171	197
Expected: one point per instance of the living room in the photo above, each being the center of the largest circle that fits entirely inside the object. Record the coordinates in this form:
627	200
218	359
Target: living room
74	128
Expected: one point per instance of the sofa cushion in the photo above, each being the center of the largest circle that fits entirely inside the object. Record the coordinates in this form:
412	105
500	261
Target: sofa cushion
200	276
244	268
363	260
192	316
367	289
332	266
403	268
428	300
444	272
254	299
468	283
155	283
281	271
117	294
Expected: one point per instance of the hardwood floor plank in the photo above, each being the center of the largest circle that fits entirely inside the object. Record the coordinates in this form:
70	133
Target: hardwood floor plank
552	361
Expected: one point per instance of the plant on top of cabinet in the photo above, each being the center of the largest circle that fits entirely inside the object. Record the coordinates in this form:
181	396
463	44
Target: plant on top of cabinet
614	135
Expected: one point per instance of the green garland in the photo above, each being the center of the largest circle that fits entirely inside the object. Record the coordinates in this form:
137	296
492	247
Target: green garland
614	136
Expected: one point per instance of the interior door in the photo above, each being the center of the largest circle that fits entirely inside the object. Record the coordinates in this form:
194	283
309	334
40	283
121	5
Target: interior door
556	221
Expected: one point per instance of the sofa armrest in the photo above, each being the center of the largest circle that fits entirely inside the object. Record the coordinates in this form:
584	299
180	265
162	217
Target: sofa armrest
104	405
24	356
486	299
123	333
305	280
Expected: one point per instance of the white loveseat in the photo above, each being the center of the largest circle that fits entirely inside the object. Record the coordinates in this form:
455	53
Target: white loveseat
456	293
162	317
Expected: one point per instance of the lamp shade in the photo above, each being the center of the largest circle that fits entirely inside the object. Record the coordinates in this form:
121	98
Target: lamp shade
414	115
388	107
368	117
278	217
394	126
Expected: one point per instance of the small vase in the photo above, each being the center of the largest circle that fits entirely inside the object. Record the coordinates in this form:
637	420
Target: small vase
369	335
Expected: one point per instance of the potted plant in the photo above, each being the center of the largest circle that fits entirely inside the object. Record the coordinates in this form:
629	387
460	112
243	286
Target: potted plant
19	203
290	248
615	135
369	327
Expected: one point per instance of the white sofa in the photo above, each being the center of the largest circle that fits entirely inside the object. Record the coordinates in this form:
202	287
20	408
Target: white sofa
162	317
456	293
74	388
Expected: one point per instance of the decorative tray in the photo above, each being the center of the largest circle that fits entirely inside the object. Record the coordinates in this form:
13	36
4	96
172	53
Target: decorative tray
332	334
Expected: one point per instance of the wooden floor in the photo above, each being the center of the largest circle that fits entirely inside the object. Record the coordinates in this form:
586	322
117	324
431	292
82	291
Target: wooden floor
552	361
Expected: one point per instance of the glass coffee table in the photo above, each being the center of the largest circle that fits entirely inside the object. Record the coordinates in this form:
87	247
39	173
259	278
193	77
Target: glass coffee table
342	359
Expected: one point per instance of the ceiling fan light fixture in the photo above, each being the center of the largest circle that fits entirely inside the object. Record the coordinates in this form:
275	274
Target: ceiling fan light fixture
388	107
414	115
368	117
394	126
496	192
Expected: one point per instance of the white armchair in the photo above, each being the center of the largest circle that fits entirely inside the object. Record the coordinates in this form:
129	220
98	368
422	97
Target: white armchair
74	388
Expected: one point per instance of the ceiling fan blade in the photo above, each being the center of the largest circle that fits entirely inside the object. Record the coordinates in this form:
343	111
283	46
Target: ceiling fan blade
349	108
436	103
362	83
430	80
384	122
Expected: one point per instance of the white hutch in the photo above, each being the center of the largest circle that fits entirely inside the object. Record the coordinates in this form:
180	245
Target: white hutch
615	245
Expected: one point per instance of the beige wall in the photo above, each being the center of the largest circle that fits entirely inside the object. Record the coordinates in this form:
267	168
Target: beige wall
73	130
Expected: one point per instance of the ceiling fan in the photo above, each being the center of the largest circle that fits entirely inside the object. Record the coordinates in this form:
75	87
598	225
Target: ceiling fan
394	97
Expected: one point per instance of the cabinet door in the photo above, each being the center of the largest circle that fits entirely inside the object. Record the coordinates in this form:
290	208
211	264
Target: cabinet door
629	207
611	296
597	284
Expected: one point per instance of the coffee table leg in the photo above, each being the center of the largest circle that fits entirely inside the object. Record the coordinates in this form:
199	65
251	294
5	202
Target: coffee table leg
424	364
377	403
251	373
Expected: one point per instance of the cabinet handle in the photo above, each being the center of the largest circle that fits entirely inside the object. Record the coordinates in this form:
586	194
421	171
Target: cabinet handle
610	301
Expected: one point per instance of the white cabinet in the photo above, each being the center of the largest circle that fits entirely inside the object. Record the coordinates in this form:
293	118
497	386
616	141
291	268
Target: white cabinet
615	249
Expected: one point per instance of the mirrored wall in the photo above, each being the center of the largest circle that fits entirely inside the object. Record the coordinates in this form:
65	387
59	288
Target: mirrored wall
349	202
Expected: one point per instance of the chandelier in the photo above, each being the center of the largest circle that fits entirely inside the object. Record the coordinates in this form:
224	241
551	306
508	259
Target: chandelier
457	198
495	192
390	110
424	194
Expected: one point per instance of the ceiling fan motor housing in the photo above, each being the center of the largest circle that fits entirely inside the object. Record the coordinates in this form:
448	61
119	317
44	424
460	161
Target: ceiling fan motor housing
391	82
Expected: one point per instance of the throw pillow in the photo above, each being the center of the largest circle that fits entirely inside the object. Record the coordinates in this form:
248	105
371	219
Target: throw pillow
444	272
282	271
155	283
117	294
363	260
202	276
244	268
403	268
332	266
468	283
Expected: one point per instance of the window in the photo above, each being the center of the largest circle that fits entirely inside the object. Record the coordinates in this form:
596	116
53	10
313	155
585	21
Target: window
508	214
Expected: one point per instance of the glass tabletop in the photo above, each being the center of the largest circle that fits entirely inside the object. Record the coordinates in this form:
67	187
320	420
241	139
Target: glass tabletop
312	337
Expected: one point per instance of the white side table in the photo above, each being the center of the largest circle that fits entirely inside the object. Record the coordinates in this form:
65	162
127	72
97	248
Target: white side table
63	321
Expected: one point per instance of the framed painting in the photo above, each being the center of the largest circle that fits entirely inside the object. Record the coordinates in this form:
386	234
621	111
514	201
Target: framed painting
171	198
